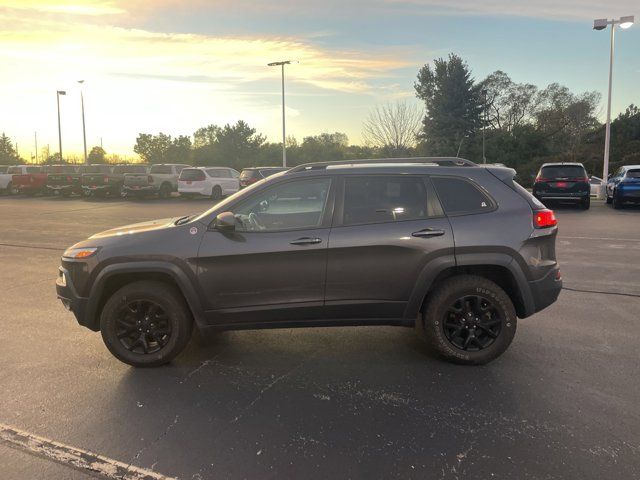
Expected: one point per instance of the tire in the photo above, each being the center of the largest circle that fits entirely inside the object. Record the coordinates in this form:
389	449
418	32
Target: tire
132	303
9	189
615	202
216	192
435	326
165	191
609	200
585	204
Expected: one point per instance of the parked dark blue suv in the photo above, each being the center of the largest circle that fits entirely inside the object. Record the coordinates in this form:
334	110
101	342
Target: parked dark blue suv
624	186
456	250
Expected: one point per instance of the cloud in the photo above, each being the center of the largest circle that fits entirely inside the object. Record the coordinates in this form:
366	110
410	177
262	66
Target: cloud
84	7
108	50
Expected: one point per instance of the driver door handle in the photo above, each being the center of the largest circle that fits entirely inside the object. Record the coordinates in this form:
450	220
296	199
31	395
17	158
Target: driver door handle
306	241
428	232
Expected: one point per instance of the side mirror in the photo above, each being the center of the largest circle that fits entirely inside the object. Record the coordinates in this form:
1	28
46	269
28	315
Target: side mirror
225	222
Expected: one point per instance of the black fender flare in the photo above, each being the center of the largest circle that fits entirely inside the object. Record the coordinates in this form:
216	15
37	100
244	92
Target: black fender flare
498	259
177	274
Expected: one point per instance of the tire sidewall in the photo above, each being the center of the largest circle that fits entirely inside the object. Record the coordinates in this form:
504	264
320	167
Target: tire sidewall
434	324
177	314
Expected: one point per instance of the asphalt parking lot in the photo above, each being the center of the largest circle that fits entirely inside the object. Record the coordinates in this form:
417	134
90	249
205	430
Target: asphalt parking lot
362	402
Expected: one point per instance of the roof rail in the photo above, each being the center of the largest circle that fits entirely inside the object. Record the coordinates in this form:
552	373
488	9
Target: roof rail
441	161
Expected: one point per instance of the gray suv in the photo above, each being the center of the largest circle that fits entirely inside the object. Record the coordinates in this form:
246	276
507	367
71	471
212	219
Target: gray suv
453	249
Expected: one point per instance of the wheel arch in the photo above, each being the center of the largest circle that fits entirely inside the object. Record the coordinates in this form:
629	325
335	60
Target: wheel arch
114	277
499	268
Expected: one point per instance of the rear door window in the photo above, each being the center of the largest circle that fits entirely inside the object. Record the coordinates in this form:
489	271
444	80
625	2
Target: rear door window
219	173
460	196
635	173
33	169
381	199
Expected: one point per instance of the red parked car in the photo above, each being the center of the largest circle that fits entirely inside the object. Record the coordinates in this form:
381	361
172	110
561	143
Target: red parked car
28	179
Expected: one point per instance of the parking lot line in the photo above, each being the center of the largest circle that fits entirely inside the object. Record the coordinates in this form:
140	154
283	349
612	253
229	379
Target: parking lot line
600	238
75	457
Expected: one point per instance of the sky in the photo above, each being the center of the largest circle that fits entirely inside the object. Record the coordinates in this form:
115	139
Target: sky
173	66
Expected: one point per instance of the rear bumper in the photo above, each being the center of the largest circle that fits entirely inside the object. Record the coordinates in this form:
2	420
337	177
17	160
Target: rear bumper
194	192
569	196
545	291
133	189
70	299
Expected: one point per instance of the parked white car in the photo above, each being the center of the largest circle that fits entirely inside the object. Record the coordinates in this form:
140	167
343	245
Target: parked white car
213	182
595	184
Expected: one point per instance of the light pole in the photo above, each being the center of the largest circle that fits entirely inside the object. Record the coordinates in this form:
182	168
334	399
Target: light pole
58	93
601	24
484	123
284	135
84	132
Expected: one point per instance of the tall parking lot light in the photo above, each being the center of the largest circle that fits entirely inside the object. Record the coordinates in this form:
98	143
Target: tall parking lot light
284	136
601	24
58	93
84	131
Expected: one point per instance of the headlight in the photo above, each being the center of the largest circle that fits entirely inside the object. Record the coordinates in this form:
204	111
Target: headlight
79	253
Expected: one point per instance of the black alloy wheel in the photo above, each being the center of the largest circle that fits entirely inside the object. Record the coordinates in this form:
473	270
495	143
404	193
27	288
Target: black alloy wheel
142	326
472	323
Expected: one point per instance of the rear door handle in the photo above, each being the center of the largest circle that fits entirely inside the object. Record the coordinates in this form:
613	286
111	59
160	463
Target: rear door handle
428	232
306	241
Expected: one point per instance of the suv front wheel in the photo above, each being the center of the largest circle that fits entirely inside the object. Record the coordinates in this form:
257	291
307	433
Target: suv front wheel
146	324
468	320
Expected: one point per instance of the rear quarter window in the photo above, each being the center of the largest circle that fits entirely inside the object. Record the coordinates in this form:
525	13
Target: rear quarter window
161	169
460	196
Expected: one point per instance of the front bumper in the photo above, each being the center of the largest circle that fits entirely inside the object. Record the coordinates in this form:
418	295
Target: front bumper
70	299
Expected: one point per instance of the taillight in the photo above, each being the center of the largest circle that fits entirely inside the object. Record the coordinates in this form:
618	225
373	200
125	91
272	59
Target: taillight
150	179
69	179
105	179
544	218
541	179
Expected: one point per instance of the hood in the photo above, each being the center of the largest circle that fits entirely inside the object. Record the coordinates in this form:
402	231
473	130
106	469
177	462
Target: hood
138	228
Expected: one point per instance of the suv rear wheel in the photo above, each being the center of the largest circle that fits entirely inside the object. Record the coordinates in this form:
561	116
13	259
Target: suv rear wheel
468	320
146	324
216	192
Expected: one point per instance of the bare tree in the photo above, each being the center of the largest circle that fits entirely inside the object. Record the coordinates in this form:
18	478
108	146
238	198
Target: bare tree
393	127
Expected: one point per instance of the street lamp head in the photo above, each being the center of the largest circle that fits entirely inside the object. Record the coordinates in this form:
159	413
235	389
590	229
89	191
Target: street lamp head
80	82
284	62
61	92
626	22
600	24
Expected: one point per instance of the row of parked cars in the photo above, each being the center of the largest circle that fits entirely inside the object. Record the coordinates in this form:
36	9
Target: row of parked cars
569	182
129	180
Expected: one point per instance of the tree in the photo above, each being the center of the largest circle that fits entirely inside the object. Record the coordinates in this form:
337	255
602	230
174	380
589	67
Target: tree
393	128
452	102
508	104
232	145
162	148
97	155
8	154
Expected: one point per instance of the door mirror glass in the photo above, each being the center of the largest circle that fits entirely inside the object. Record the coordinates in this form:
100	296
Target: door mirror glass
225	222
